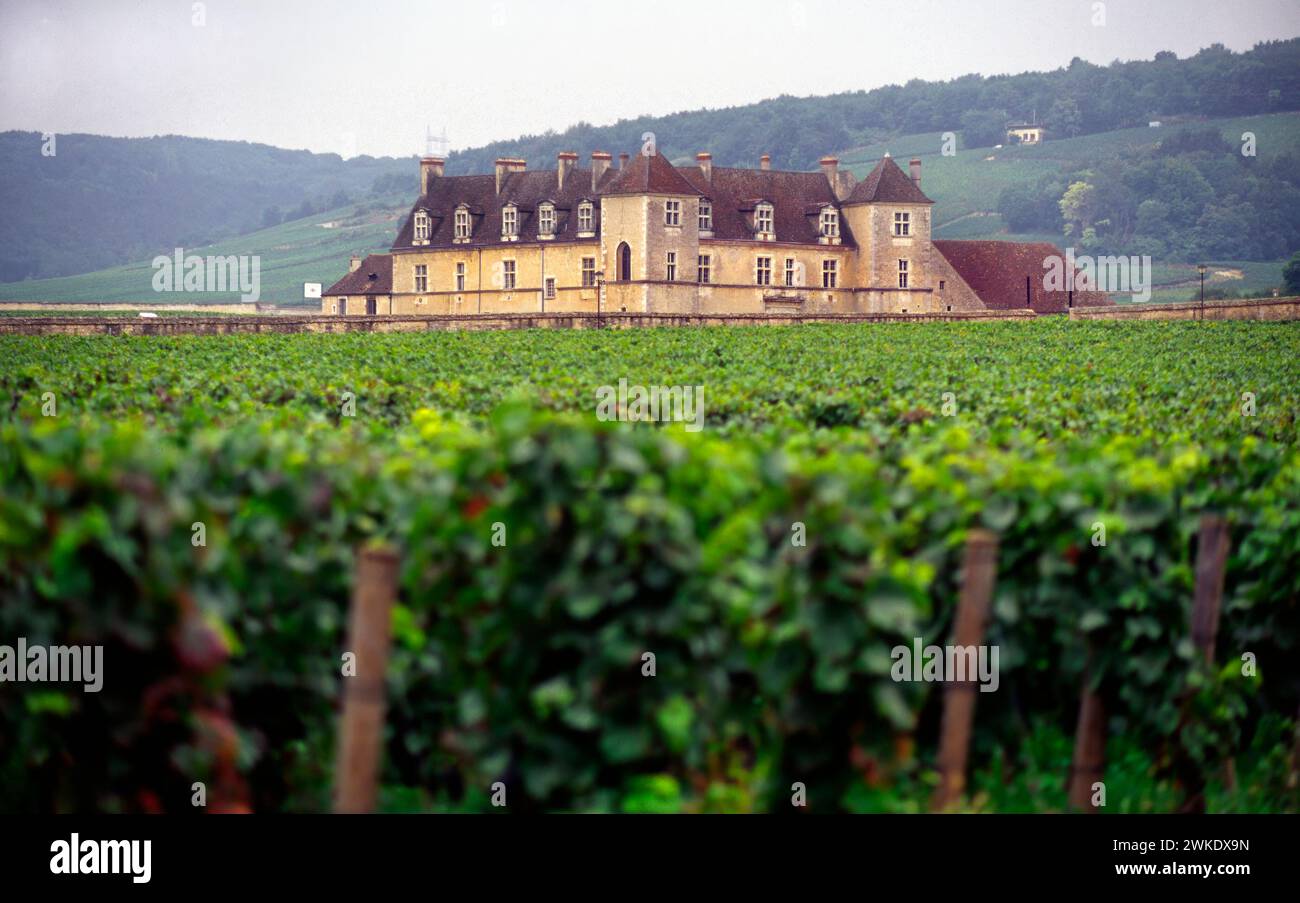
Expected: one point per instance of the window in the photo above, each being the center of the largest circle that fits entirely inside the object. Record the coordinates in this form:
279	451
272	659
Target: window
460	277
421	226
672	213
585	217
550	287
942	283
763	219
546	220
462	223
789	270
343	306
902	224
372	306
421	277
706	216
763	271
508	274
705	267
624	262
828	273
672	266
509	222
902	274
830	223
588	272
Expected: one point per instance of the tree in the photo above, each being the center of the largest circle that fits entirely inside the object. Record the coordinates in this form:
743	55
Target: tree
1078	209
1064	117
983	128
1291	275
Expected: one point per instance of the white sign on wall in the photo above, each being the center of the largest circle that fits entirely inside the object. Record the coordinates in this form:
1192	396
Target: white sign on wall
311	289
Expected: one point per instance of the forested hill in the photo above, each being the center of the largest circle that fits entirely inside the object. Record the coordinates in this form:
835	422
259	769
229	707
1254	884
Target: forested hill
1079	99
101	202
97	202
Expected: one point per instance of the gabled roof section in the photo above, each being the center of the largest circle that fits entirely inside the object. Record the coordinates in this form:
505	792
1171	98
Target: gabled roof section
887	184
797	199
373	277
650	175
525	190
1001	271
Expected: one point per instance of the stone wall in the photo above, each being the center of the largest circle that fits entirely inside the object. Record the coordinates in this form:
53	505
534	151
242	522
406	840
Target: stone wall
1258	309
316	323
54	306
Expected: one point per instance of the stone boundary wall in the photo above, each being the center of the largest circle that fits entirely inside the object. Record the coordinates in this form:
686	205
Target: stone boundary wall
1245	309
252	308
287	323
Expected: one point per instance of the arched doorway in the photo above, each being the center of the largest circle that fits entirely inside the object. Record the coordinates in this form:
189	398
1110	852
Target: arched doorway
624	262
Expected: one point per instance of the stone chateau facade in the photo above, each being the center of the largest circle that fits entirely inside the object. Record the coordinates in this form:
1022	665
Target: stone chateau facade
647	236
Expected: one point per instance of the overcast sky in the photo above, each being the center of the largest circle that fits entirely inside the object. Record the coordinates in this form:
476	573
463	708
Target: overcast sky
366	77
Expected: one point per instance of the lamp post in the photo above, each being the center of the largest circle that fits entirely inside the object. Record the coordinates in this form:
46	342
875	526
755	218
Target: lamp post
1200	268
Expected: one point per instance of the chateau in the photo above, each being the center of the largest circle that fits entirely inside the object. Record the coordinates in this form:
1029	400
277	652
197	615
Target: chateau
648	236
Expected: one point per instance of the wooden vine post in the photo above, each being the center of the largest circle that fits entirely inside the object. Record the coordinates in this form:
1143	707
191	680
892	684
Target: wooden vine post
1089	761
1211	563
361	727
979	569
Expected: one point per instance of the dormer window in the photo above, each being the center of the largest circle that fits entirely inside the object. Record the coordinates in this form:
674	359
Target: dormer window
830	223
672	213
586	217
706	216
546	219
763	215
421	226
509	221
462	224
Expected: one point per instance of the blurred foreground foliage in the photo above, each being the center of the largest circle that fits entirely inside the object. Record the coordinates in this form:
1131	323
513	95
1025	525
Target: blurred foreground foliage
523	663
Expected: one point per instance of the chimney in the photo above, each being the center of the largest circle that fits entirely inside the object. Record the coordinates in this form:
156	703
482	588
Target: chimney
565	163
830	169
518	164
622	160
765	162
915	166
599	166
705	160
354	264
502	170
430	169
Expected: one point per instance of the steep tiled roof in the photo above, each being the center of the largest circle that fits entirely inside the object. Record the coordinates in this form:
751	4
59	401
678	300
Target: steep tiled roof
526	190
797	199
651	174
373	277
887	184
998	270
796	196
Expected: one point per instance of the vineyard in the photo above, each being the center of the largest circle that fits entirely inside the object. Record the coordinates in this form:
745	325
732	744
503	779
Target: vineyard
770	563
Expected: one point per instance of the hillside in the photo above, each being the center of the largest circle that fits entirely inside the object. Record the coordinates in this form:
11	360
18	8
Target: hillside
966	188
99	202
1079	99
313	249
